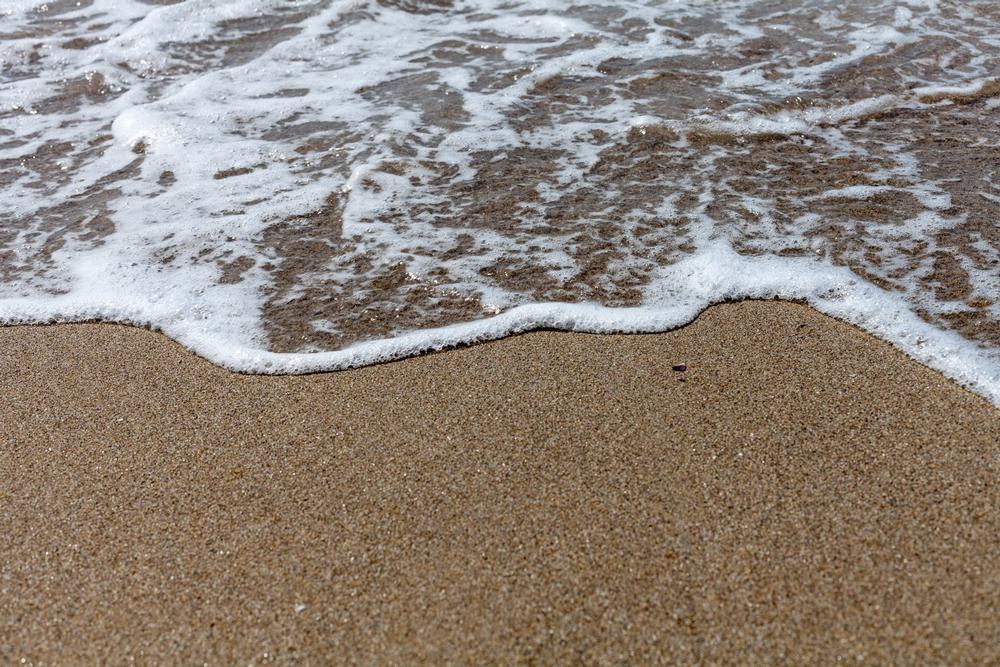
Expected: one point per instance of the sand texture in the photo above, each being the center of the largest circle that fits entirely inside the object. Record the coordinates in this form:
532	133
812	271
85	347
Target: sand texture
802	493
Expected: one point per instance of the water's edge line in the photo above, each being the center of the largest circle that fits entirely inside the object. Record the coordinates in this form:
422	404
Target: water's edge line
517	320
673	299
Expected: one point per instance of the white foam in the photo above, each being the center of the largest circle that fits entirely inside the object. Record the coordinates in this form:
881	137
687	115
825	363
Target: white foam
968	88
675	298
793	121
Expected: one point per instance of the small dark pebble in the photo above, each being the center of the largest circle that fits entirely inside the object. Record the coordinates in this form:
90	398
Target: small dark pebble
680	367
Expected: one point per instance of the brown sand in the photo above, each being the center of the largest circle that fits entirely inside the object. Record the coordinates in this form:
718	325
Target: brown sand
802	493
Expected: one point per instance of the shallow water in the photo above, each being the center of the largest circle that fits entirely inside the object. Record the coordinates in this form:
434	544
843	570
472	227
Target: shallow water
286	185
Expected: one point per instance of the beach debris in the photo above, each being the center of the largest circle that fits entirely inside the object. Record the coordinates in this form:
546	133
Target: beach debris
680	367
299	608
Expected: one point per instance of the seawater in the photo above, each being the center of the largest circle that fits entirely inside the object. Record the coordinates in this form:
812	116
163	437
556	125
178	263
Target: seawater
298	185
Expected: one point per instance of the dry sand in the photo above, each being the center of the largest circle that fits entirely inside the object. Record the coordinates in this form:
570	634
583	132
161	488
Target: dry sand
803	492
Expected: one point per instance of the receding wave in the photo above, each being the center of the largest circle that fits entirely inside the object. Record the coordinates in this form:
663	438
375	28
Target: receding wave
300	185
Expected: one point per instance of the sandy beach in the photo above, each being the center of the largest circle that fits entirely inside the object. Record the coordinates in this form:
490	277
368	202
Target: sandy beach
801	493
290	185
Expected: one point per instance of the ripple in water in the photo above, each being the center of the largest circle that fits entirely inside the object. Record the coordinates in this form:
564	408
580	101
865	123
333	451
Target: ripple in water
297	185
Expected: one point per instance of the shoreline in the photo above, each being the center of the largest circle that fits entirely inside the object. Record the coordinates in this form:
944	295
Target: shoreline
939	356
802	491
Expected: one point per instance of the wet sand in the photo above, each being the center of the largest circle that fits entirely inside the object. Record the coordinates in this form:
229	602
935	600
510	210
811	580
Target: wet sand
802	493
